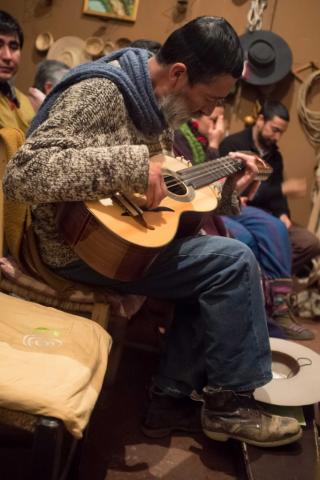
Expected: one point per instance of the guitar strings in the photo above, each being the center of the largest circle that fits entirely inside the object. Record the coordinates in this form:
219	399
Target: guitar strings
217	172
222	171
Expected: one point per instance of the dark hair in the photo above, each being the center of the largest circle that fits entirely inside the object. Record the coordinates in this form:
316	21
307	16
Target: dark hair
208	46
150	45
49	71
272	108
9	25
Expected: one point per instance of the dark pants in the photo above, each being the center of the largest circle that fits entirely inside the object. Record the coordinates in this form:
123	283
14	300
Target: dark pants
305	247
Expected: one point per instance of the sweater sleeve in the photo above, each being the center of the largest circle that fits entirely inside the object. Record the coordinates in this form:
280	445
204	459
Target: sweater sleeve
229	203
81	152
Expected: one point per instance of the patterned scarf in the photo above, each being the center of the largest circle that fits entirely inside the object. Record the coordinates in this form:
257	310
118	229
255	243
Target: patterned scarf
132	79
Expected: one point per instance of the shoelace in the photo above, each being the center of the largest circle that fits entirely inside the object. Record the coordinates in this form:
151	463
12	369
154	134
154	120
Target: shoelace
296	327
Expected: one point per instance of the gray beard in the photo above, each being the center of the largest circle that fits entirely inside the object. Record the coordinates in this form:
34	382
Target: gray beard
174	110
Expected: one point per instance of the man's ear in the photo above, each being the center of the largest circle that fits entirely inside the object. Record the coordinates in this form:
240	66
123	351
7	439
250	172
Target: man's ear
47	87
177	74
260	120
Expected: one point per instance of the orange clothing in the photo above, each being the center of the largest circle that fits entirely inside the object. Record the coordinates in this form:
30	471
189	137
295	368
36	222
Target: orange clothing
13	116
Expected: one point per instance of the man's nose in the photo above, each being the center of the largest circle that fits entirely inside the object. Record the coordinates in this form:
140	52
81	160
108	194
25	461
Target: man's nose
6	52
208	107
277	136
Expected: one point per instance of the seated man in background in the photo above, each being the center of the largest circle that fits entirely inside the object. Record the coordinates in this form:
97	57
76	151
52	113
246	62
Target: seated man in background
48	74
15	108
105	128
198	140
263	138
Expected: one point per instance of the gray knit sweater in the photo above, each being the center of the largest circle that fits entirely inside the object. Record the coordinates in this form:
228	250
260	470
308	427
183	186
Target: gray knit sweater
86	149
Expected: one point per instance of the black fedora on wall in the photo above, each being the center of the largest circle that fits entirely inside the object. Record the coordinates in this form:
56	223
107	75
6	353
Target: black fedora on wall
269	57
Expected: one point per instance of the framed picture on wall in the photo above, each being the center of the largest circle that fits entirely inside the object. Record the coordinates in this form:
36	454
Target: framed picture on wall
118	9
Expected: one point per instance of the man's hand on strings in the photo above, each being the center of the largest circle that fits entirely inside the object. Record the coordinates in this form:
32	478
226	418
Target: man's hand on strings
247	176
157	189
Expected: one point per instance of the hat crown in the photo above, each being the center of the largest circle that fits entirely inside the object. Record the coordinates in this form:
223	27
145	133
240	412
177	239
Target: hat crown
261	53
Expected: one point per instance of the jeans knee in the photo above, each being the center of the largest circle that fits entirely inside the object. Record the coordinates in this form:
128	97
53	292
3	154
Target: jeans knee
280	227
243	251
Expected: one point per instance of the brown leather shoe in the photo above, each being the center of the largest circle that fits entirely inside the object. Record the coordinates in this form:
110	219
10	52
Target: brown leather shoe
292	328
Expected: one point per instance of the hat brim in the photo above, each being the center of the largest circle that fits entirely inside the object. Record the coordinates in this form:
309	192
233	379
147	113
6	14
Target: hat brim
303	385
283	58
70	50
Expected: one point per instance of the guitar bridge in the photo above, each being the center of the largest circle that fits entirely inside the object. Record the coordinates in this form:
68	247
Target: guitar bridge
131	209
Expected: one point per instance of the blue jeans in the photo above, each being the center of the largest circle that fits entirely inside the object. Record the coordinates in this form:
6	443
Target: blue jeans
267	237
219	335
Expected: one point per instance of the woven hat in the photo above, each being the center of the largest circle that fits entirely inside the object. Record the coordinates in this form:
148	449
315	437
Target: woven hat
109	47
269	57
44	41
123	42
69	50
296	377
94	46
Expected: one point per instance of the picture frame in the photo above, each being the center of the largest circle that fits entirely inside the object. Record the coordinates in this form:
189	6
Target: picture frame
116	9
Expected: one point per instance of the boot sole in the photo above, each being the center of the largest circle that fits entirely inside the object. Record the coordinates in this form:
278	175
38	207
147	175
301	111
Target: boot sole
223	437
292	337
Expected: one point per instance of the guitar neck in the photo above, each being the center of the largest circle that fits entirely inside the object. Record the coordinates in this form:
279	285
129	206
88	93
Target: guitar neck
206	173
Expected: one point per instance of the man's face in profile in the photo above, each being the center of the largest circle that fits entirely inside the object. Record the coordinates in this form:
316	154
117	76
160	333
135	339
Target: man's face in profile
193	101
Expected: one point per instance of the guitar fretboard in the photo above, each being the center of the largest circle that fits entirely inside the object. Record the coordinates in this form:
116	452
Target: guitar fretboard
201	175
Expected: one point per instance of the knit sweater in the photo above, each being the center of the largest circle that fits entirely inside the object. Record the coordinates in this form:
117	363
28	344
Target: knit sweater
86	149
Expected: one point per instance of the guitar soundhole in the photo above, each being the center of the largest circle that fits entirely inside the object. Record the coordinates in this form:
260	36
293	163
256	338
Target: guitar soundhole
175	186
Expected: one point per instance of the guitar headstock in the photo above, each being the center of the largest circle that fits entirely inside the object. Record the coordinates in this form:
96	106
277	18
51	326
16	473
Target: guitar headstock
264	169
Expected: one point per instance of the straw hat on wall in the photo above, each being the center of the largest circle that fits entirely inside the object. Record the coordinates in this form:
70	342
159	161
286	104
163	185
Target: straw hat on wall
69	50
44	41
94	46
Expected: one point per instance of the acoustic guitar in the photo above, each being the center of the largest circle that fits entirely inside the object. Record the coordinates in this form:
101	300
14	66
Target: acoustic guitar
120	238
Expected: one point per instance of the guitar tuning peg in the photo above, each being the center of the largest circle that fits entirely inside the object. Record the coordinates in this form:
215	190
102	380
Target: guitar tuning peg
184	160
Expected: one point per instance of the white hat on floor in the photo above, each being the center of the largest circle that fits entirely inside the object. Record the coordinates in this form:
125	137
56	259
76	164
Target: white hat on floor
296	375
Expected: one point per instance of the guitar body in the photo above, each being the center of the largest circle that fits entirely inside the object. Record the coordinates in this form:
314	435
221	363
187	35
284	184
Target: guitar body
121	246
119	238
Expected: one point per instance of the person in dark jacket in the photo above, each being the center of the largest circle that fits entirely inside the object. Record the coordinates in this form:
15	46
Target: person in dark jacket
270	198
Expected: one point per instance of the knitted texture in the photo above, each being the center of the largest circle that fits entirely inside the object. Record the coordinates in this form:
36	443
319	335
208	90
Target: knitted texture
132	79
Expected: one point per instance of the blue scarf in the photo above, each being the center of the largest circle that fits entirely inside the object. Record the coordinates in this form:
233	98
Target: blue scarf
132	79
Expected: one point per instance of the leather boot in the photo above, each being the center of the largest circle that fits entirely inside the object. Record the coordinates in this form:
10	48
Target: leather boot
279	292
227	414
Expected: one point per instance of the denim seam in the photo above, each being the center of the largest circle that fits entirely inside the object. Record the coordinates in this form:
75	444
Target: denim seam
254	329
